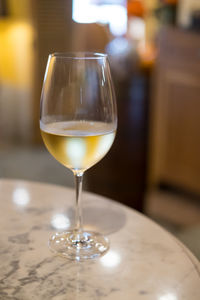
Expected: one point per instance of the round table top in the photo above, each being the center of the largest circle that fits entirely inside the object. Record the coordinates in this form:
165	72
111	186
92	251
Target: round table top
144	261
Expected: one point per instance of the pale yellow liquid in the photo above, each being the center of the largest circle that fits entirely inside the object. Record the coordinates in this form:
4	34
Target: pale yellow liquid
78	145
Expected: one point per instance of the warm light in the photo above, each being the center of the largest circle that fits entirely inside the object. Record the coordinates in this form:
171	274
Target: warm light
89	12
136	8
147	53
16	53
21	197
104	145
84	11
111	14
168	296
111	259
137	28
76	150
60	221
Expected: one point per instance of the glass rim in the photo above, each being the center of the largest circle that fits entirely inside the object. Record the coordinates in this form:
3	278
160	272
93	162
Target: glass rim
79	55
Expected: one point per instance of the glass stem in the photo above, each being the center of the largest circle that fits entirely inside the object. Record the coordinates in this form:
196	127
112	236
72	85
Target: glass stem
78	214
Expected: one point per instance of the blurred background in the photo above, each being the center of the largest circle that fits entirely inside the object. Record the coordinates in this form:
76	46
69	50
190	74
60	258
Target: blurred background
154	52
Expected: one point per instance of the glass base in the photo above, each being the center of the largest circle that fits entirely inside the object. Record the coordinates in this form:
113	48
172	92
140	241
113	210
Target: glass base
79	246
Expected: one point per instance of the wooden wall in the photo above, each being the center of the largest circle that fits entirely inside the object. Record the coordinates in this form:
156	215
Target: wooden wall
175	112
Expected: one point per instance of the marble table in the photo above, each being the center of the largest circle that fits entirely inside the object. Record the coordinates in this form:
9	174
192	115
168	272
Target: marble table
144	261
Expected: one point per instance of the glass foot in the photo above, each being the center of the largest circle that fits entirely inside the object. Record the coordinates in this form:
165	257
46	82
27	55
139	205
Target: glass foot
79	246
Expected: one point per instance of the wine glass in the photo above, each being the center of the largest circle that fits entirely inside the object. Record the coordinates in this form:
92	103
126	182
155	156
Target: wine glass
78	121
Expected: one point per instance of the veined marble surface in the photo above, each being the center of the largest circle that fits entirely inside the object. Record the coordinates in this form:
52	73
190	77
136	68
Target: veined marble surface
144	261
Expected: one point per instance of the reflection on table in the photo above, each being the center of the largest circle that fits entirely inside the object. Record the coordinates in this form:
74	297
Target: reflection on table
144	261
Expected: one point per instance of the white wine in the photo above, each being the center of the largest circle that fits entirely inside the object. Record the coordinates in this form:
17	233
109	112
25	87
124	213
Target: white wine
78	145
